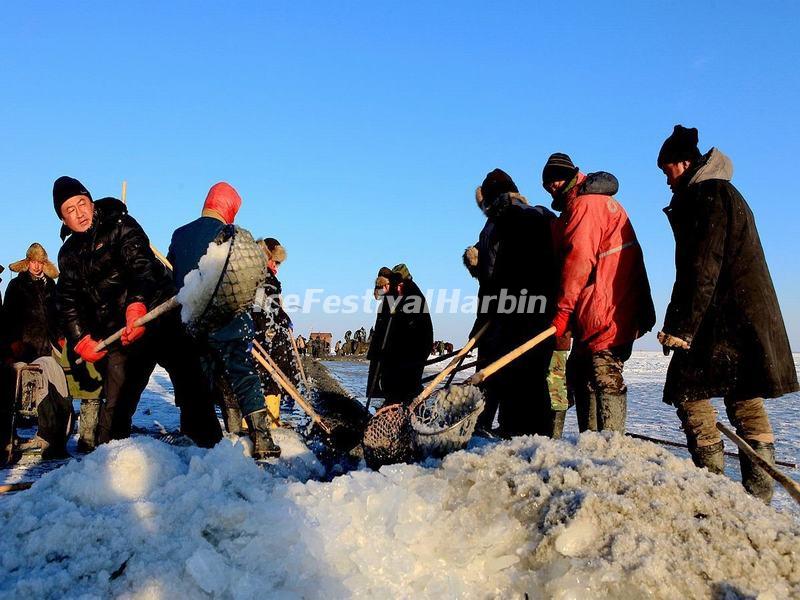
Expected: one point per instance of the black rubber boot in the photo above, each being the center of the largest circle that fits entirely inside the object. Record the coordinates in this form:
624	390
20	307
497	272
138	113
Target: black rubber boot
709	457
87	425
755	479
612	411
258	430
586	409
558	424
233	420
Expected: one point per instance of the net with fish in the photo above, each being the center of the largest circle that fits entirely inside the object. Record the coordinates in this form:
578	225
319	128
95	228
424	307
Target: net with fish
388	438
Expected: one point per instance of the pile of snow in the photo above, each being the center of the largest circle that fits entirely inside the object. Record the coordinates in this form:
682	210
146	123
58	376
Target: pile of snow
199	284
597	516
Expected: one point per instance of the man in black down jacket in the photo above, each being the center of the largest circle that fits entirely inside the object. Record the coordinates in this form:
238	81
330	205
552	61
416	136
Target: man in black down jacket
109	278
403	338
515	258
723	320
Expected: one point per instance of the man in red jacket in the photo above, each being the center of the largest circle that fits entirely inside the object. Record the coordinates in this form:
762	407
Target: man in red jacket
604	295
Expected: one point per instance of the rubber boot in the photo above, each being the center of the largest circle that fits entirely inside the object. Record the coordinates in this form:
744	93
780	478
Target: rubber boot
755	479
586	409
558	424
612	411
233	420
258	430
273	406
709	457
87	425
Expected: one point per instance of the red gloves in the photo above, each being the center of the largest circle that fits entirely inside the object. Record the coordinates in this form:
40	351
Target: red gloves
132	333
561	323
85	349
17	348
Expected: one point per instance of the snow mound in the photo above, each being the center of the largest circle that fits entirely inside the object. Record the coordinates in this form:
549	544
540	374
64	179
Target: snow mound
200	283
598	516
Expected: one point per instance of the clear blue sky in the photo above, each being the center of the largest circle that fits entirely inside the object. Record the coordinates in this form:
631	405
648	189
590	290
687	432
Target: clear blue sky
356	132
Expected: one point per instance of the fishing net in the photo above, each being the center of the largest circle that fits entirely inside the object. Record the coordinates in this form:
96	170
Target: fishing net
244	271
446	421
388	438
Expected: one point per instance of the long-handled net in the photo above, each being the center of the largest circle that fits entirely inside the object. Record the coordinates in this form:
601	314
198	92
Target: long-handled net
435	423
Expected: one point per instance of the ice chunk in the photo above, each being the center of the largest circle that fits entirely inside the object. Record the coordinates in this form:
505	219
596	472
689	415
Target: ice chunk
200	283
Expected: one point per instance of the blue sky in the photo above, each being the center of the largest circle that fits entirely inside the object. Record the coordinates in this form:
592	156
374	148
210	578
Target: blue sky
356	132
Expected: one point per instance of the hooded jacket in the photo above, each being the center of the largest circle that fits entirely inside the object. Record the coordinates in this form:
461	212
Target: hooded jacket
103	270
723	301
603	282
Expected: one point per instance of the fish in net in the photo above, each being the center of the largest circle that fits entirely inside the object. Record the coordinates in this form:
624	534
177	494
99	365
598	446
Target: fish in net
389	438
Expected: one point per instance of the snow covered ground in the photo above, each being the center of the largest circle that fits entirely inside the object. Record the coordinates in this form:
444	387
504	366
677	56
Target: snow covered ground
591	516
645	373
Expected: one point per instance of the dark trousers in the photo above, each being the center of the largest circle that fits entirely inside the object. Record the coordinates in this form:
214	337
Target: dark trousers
127	369
590	374
233	362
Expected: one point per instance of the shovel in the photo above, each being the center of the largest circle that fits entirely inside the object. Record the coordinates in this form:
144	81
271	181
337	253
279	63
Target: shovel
159	310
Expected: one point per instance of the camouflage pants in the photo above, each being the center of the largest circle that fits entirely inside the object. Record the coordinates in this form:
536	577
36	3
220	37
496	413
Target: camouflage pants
557	380
591	374
699	418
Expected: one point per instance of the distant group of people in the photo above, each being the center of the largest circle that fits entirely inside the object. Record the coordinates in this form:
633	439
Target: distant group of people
581	261
723	322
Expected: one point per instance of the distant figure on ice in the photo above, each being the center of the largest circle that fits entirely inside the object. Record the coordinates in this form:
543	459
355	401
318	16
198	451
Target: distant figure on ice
31	332
604	294
516	270
274	327
301	345
723	320
403	338
109	278
228	348
338	349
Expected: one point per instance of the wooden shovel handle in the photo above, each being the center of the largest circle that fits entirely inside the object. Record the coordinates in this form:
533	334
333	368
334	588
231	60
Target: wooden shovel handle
275	372
501	362
298	358
159	310
451	366
789	485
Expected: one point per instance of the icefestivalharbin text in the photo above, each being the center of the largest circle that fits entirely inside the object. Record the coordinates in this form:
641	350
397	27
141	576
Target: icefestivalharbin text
599	516
440	302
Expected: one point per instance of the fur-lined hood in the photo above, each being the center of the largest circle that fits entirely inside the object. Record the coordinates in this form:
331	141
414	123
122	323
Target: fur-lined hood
496	207
273	249
35	252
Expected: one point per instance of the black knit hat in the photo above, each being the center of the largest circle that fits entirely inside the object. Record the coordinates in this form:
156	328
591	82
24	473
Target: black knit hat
495	183
559	167
65	188
680	146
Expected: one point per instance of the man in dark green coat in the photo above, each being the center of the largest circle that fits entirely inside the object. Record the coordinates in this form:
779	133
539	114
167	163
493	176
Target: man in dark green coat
723	320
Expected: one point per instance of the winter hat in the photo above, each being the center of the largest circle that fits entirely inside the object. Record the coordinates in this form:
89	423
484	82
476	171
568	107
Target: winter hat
495	183
38	253
222	202
65	188
559	167
402	272
273	249
680	146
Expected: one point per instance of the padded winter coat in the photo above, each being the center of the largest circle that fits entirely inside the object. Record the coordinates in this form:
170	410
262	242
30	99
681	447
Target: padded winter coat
723	301
103	270
408	345
603	283
30	316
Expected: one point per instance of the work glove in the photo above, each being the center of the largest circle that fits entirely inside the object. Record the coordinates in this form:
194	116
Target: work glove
132	333
17	348
561	323
85	348
670	342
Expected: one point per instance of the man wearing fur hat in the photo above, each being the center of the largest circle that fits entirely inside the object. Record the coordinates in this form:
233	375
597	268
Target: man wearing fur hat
31	332
723	320
109	278
513	259
273	326
403	338
604	294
